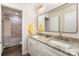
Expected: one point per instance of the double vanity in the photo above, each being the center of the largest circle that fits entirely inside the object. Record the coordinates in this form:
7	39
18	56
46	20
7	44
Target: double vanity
46	45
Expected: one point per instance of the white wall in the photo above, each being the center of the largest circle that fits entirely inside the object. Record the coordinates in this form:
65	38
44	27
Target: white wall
28	15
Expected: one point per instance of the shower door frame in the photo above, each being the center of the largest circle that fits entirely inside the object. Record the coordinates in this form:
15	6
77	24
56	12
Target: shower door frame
3	22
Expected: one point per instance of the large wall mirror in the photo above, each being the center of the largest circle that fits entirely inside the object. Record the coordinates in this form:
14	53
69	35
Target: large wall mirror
61	19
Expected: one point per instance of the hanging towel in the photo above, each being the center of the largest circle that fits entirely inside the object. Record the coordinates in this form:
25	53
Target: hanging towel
31	29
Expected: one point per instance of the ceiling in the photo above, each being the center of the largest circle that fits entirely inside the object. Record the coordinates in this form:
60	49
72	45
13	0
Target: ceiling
48	6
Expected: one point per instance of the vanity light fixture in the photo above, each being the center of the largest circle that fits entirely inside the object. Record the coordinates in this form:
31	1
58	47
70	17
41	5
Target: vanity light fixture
41	9
16	13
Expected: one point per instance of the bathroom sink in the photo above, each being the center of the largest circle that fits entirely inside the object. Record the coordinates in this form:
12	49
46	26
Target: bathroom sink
36	36
59	43
41	36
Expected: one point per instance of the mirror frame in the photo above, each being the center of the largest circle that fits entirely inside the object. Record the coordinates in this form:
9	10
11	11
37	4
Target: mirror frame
59	19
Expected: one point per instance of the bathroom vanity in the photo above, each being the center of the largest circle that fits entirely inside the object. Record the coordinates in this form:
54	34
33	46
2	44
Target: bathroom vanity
40	45
41	48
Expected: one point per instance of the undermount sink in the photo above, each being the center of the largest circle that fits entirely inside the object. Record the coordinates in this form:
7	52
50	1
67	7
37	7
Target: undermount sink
36	36
40	36
61	44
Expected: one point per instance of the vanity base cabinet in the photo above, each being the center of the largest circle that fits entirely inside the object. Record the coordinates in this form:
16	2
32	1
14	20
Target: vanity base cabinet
36	48
32	48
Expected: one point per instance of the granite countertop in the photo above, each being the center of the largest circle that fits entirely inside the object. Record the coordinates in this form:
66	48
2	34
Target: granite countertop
73	50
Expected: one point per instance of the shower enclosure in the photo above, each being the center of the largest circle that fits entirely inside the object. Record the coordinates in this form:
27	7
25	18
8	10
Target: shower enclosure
11	26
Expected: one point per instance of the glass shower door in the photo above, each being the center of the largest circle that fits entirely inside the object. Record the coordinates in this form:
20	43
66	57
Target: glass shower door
16	29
